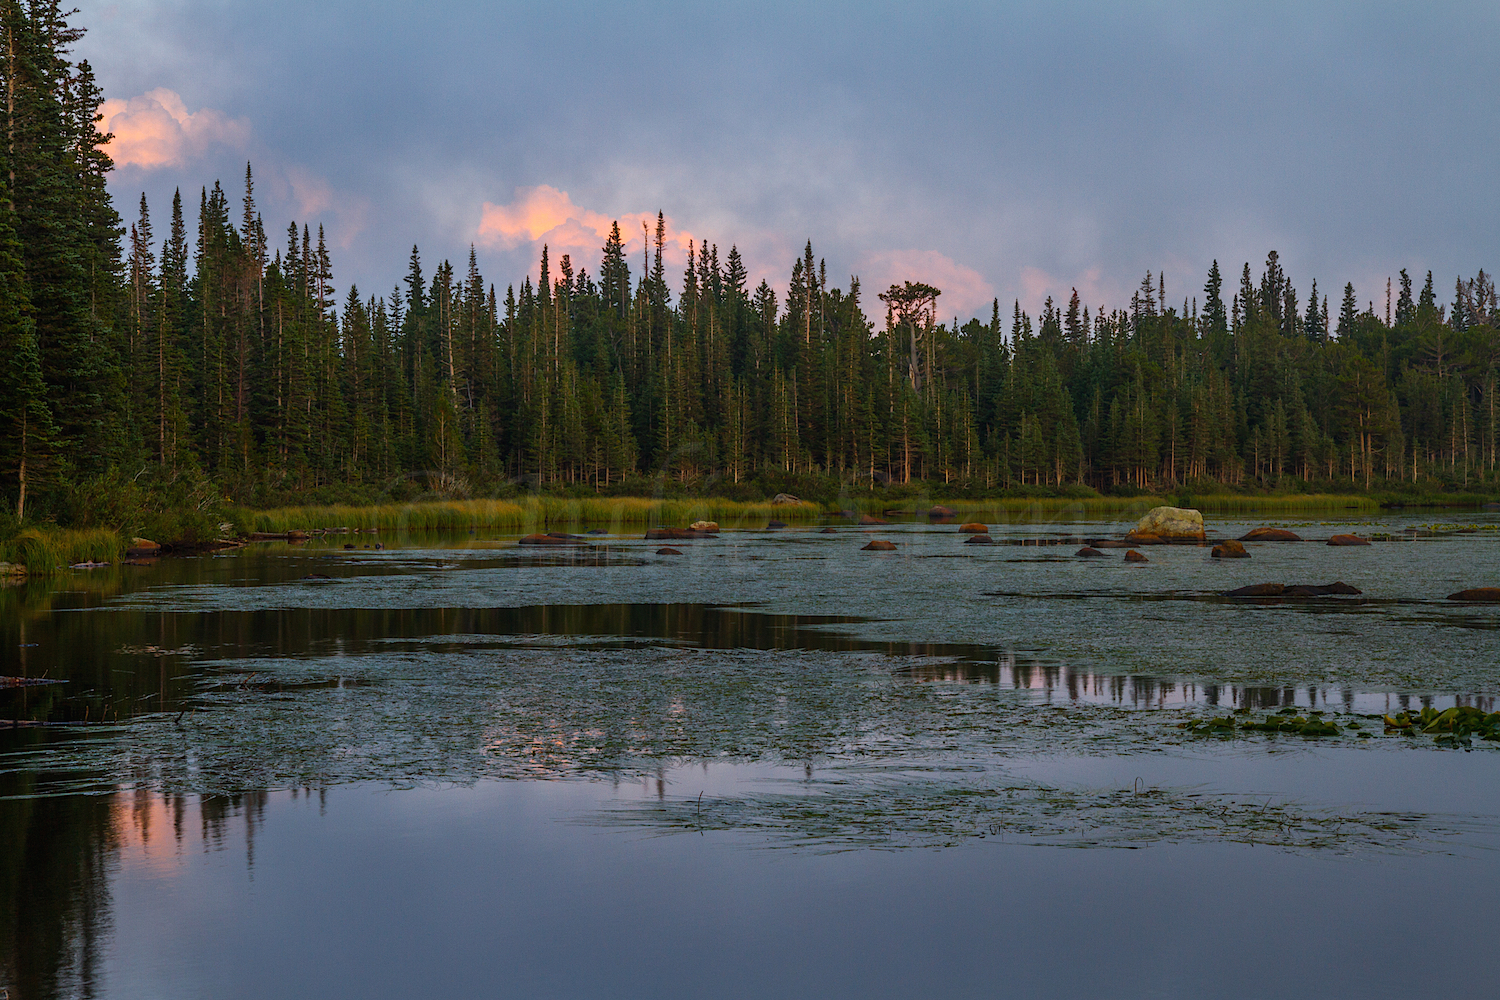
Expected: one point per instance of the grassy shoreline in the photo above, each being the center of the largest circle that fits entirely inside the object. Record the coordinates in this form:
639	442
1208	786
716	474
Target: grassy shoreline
540	513
45	549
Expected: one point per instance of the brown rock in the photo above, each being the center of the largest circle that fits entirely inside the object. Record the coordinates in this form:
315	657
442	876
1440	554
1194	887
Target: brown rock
829	531
547	540
1089	552
12	569
1489	595
1348	540
1257	590
145	545
1136	557
979	540
867	519
880	545
1270	535
1314	590
975	528
1229	549
1134	537
940	511
675	534
709	526
667	550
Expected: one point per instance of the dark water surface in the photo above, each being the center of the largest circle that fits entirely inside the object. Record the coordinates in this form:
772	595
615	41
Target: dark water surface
774	765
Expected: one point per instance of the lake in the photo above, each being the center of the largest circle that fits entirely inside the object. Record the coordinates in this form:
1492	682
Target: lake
773	765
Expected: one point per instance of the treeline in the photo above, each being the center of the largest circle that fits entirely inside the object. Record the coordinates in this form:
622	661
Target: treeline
220	355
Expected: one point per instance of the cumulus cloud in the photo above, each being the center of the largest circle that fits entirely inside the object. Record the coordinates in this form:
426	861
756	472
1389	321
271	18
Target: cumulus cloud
156	130
965	291
545	215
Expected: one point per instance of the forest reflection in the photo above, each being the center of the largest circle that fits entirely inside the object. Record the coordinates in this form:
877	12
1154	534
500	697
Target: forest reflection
57	856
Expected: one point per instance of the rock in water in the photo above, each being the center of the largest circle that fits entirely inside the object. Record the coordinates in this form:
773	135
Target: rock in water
1089	552
667	550
775	525
1270	535
12	569
712	526
547	540
1170	524
979	540
939	511
1489	595
1136	557
867	519
1348	540
975	528
1257	590
1229	550
880	545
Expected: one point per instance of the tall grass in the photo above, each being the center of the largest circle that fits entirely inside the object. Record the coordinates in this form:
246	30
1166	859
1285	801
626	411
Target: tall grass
542	513
44	550
526	514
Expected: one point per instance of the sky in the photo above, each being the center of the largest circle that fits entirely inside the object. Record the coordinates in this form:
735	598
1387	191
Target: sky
994	150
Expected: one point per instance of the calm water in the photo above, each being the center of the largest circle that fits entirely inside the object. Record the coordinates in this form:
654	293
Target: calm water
773	765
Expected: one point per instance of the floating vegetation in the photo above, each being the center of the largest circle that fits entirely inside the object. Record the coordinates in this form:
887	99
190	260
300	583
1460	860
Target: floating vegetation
1286	721
848	811
1457	724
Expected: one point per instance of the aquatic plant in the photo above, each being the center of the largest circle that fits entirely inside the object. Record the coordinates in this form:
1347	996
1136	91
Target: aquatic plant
44	550
526	514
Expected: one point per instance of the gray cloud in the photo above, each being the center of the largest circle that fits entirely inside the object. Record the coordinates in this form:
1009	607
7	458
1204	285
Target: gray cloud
1037	145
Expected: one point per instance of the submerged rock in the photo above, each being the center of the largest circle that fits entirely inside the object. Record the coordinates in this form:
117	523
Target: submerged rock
1089	552
1292	590
1348	540
1229	549
773	525
868	519
1168	524
983	539
975	528
880	545
1256	590
1270	535
667	550
1489	595
676	534
829	531
940	511
549	539
1135	557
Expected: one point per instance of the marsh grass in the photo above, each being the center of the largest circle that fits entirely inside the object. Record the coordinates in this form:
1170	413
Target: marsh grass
528	514
45	550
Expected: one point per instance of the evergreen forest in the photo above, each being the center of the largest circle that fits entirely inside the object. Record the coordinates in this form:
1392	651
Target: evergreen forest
199	357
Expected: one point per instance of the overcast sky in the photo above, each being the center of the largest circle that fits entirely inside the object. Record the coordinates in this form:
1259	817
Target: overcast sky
994	150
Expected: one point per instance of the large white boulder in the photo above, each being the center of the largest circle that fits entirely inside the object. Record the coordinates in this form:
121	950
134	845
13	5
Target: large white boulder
1171	524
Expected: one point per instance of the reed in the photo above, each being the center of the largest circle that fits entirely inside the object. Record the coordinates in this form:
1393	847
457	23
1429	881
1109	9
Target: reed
526	514
45	550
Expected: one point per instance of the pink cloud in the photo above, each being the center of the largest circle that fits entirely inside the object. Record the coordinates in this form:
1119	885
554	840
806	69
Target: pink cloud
965	291
544	214
156	130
